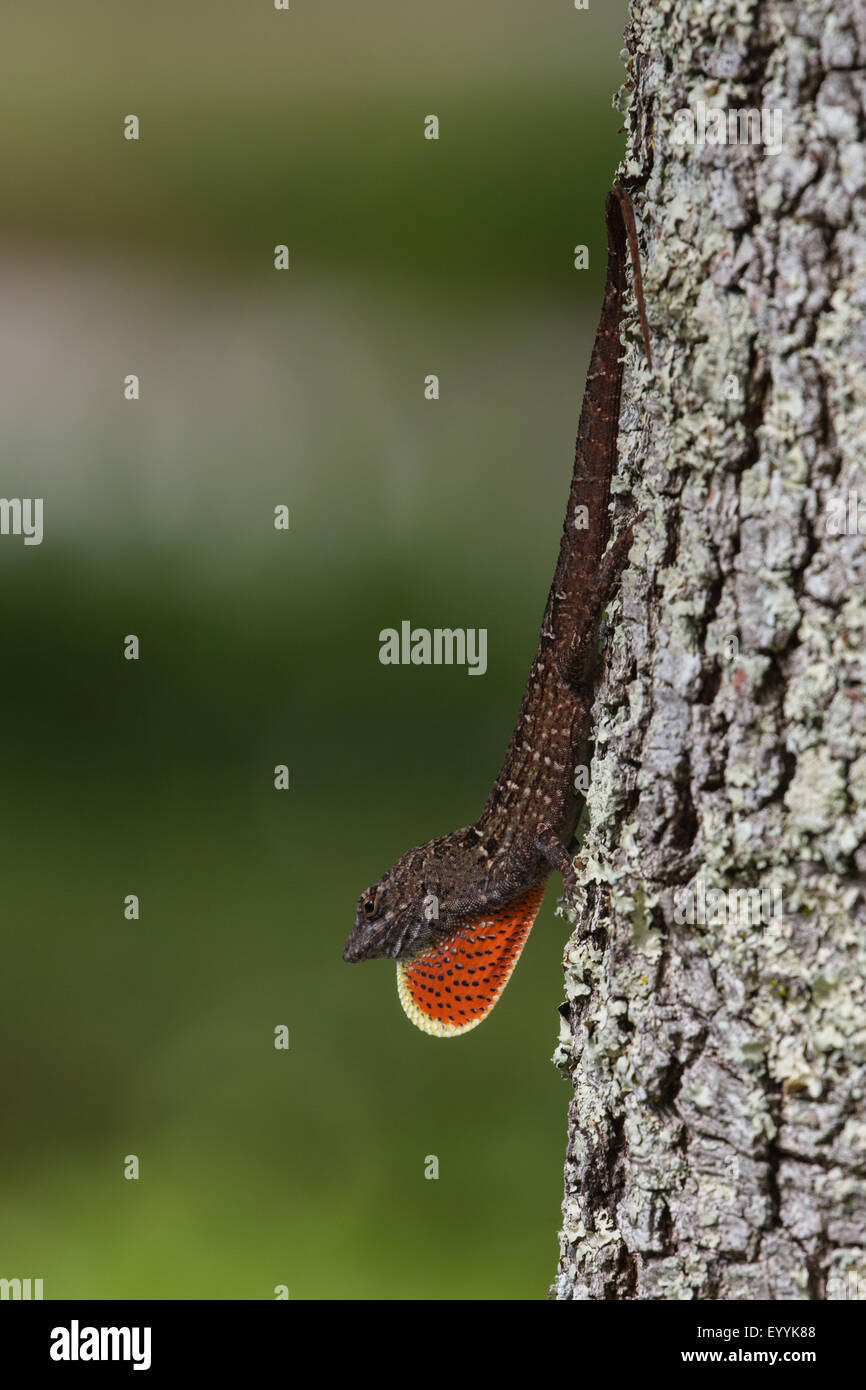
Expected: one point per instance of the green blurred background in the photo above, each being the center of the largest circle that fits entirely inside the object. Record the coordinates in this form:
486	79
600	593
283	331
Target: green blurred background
409	257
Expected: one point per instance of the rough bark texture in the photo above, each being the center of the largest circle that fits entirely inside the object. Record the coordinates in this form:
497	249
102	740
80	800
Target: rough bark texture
717	1134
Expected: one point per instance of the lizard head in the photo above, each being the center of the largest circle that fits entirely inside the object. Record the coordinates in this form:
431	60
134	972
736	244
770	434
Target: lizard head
414	905
455	946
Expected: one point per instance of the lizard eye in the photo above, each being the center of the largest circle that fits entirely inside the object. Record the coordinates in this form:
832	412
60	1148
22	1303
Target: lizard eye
370	907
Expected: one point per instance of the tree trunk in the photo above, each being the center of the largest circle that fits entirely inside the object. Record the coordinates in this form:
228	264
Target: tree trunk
716	1040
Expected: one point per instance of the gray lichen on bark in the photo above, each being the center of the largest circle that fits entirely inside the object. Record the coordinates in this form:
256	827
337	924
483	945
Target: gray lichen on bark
717	1132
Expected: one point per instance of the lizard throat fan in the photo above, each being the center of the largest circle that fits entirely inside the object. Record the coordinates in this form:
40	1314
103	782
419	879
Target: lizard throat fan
452	988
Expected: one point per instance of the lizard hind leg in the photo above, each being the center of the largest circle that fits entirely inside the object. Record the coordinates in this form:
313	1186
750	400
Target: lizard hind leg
453	987
576	663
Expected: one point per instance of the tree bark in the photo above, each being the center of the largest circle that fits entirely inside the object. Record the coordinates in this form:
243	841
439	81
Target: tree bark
717	1133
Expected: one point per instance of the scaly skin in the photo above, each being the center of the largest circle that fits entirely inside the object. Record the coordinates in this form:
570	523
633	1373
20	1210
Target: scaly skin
455	912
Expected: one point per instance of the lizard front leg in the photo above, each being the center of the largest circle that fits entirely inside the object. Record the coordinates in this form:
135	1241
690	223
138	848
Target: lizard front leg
548	843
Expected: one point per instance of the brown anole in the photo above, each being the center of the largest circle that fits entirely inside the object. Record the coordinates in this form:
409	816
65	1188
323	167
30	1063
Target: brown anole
455	912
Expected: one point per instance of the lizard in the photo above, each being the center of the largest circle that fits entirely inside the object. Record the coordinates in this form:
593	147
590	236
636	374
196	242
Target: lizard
455	913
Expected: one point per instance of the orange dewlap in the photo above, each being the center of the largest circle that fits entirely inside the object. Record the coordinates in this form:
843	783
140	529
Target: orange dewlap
451	988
